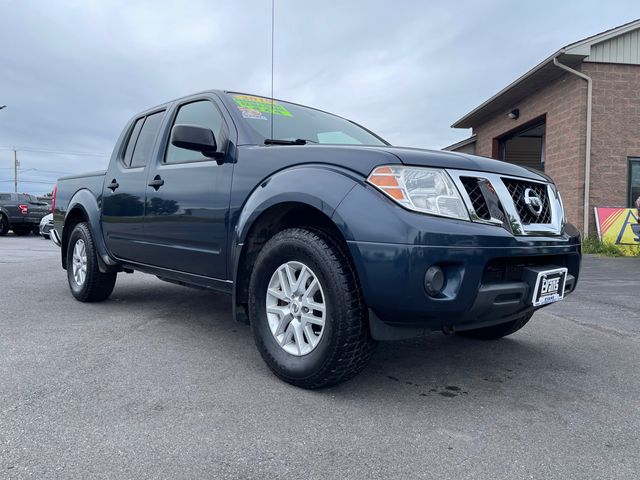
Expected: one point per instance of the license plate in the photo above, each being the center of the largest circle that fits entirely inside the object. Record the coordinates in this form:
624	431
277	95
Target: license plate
549	287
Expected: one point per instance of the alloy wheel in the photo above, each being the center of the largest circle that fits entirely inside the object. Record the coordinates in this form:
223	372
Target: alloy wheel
296	308
79	262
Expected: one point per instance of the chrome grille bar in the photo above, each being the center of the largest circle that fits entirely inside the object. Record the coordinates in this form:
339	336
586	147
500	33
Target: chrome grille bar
521	222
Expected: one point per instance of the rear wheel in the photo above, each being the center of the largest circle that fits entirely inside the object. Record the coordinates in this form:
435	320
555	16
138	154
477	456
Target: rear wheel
4	225
87	282
497	331
22	230
307	312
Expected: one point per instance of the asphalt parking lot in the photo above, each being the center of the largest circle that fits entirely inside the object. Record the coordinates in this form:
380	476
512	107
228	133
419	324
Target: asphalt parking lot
160	382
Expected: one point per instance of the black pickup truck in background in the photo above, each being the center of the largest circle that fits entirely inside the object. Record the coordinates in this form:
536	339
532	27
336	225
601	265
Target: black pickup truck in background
21	213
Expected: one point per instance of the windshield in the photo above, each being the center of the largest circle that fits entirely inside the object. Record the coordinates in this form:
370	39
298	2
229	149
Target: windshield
293	122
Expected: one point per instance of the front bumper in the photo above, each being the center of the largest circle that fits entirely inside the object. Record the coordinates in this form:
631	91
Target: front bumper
45	228
55	238
484	283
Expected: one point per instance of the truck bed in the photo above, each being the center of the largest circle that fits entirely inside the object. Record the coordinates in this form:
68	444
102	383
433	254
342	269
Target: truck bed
69	185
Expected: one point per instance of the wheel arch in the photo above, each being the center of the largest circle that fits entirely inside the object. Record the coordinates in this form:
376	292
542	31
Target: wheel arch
277	217
83	207
304	195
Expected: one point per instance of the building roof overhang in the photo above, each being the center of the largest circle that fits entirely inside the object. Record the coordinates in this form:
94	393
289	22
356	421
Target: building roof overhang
539	76
461	143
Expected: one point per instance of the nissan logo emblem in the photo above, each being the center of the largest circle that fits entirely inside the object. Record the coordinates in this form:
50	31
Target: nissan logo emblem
532	201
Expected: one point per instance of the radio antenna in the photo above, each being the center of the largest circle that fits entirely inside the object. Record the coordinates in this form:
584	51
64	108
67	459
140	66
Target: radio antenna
272	35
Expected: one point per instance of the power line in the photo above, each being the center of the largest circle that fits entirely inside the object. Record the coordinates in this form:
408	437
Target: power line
55	152
37	179
43	171
23	170
29	181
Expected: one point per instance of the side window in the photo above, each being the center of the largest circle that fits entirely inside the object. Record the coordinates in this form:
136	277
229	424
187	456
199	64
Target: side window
5	197
202	113
144	145
132	141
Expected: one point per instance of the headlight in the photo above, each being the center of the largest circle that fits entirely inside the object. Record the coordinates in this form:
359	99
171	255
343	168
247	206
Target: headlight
426	190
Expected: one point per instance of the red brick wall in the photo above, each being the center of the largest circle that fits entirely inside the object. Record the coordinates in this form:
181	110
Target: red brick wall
563	102
615	130
615	134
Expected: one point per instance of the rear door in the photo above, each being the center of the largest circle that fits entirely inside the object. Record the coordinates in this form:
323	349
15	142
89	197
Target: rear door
125	186
186	217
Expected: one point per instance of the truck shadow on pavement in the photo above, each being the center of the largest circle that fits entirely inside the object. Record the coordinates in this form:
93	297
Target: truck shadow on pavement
453	367
437	366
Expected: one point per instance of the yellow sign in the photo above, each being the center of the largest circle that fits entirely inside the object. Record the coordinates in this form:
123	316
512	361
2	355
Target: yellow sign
618	226
258	105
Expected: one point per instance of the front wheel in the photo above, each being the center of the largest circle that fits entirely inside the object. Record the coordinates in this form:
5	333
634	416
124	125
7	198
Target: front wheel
307	312
497	331
87	282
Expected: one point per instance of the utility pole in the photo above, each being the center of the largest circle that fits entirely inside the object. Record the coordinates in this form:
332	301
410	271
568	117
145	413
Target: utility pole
15	171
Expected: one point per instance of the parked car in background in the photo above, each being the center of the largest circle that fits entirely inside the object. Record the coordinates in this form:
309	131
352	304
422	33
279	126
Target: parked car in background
21	213
46	224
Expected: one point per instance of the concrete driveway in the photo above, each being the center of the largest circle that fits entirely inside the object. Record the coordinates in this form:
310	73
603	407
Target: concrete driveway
160	382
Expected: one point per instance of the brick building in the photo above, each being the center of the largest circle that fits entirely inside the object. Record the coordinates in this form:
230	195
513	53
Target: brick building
576	116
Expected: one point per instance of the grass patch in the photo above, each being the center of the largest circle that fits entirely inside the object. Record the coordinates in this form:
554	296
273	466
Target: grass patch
593	245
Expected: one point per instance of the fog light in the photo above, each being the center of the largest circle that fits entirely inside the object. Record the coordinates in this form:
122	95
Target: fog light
434	280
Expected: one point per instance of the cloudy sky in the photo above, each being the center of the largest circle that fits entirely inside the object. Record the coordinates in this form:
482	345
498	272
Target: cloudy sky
73	72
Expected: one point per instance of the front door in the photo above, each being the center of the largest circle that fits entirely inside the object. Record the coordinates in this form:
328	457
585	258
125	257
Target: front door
124	190
188	200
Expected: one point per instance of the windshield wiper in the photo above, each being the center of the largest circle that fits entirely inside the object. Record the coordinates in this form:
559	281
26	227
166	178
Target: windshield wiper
297	141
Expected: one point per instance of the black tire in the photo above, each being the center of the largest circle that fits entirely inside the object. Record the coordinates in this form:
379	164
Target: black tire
97	286
4	225
497	331
36	230
345	345
21	230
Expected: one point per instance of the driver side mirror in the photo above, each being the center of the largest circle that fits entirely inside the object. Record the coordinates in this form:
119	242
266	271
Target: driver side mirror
196	138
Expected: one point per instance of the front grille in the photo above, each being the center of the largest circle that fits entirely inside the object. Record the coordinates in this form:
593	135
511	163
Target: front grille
509	269
475	195
517	190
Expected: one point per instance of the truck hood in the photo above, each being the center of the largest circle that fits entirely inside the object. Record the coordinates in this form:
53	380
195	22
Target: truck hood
461	161
364	159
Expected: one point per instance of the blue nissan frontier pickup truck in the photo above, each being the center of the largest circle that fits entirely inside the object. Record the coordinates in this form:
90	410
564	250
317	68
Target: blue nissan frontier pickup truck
327	238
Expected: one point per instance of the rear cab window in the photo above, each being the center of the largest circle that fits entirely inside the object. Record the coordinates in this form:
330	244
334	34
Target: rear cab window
142	139
131	144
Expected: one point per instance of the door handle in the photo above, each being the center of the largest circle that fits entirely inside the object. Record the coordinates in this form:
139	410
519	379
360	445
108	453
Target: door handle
157	182
113	185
